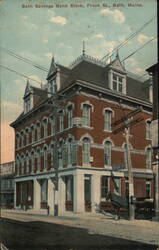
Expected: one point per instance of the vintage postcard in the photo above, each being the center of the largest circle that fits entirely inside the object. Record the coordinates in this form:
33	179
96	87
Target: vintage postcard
79	119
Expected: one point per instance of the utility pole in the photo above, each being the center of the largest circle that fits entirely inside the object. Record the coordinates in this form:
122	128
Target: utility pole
130	177
129	123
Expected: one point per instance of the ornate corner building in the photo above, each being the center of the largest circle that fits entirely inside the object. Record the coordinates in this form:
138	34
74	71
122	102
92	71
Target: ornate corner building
91	96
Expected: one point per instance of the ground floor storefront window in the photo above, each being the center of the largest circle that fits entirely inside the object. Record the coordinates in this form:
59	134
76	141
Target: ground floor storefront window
69	192
44	192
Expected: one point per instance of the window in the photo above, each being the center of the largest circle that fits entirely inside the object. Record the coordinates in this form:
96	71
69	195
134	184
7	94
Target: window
69	188
86	114
148	189
45	158
27	104
107	153
61	121
53	86
148	158
86	151
45	122
70	116
117	186
107	120
69	151
38	131
52	125
117	83
104	186
148	129
33	133
44	188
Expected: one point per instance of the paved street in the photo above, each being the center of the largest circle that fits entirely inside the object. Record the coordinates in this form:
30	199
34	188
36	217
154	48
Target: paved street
76	232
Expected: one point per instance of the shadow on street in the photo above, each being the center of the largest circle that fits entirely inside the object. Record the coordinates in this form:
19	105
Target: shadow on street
37	235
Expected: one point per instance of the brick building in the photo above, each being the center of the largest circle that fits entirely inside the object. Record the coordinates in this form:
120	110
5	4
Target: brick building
153	71
7	172
92	96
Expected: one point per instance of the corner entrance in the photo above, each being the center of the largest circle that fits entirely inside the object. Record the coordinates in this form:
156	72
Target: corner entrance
69	193
87	192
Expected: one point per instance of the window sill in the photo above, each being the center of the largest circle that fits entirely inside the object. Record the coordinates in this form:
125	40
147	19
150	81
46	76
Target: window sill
107	131
150	139
86	165
108	167
87	127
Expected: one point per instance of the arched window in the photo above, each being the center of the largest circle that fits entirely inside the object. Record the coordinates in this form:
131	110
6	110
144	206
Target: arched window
148	158
61	121
70	116
86	151
45	157
107	153
86	114
108	120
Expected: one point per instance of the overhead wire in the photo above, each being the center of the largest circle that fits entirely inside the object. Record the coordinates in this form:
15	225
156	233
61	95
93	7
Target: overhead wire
24	59
138	49
12	70
127	39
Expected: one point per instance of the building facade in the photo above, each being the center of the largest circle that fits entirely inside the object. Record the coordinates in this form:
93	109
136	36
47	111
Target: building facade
153	71
7	172
80	126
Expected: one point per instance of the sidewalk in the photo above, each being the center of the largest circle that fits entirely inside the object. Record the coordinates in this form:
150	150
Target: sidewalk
138	230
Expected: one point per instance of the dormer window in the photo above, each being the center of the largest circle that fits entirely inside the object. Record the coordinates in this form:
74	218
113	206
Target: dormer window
53	86
117	76
118	83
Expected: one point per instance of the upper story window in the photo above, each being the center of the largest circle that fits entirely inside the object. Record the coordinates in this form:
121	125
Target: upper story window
86	150
61	121
118	83
27	104
107	153
86	114
53	86
148	129
148	158
45	126
107	120
70	116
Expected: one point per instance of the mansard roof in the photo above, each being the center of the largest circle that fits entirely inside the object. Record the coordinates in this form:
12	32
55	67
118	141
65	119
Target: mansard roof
97	74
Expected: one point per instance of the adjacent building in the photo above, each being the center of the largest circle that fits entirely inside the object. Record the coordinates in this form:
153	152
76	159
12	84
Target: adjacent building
91	97
153	71
7	171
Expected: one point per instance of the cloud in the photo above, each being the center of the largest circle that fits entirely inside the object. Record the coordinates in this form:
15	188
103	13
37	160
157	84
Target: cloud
142	38
45	41
35	77
59	19
49	55
139	70
117	15
100	35
28	25
110	45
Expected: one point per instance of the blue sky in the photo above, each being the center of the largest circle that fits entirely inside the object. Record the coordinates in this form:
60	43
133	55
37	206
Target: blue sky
39	33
